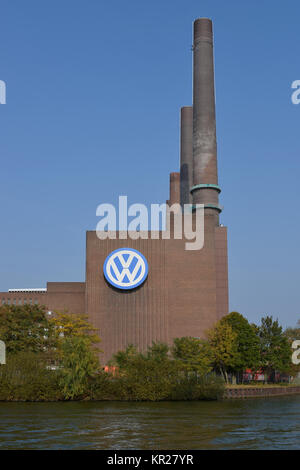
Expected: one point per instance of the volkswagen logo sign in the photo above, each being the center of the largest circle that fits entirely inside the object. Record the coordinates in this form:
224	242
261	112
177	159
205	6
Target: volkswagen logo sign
125	268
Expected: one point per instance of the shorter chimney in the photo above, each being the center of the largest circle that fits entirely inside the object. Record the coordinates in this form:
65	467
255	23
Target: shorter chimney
186	155
174	188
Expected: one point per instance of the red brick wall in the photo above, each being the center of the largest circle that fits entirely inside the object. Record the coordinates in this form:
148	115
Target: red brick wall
60	296
221	270
184	295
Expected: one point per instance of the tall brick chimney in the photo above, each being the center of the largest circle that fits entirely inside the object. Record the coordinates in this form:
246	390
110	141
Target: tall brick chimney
205	189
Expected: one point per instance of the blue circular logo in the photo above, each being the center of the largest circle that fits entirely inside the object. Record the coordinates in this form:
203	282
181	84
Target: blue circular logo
125	268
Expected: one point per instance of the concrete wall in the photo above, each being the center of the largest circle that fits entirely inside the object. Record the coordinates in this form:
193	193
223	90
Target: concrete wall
253	392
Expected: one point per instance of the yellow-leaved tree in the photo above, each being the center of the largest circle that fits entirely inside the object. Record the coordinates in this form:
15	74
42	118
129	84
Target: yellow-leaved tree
68	325
224	347
77	348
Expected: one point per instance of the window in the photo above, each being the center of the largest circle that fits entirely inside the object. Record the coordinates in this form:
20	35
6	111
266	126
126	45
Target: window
8	301
3	301
30	301
36	302
20	301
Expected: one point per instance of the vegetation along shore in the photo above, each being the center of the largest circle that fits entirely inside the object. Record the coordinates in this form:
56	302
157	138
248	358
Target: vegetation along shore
56	357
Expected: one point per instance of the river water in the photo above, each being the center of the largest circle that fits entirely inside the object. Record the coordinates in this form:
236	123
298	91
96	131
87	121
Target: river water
272	423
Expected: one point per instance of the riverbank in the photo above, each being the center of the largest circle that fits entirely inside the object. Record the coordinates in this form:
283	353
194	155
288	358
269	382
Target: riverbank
254	391
232	392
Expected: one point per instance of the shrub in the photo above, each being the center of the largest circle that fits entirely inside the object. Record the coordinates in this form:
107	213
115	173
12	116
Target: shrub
79	365
26	377
195	387
146	379
103	387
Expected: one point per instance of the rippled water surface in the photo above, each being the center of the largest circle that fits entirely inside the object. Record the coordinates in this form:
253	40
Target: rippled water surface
242	424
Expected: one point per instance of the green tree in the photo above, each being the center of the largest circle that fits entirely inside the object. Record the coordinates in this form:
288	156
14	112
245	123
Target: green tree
193	354
122	358
79	365
25	328
158	351
293	333
248	350
275	350
224	346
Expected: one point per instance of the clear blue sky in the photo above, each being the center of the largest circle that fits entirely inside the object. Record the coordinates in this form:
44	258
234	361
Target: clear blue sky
94	90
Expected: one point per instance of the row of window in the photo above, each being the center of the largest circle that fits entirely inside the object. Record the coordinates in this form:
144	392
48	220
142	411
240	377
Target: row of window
19	301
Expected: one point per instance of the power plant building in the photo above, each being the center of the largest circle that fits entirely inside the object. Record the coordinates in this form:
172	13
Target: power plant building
179	292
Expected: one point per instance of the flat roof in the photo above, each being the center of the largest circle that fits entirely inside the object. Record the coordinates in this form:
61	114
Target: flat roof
42	289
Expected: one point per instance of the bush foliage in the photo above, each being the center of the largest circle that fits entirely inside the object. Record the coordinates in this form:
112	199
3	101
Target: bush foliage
27	377
56	358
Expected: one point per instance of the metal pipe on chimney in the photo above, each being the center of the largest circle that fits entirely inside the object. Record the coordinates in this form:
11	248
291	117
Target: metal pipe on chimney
186	154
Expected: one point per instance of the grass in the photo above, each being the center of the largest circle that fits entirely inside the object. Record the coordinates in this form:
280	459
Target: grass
261	385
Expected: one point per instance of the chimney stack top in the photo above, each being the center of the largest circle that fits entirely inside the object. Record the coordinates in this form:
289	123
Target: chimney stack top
203	30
